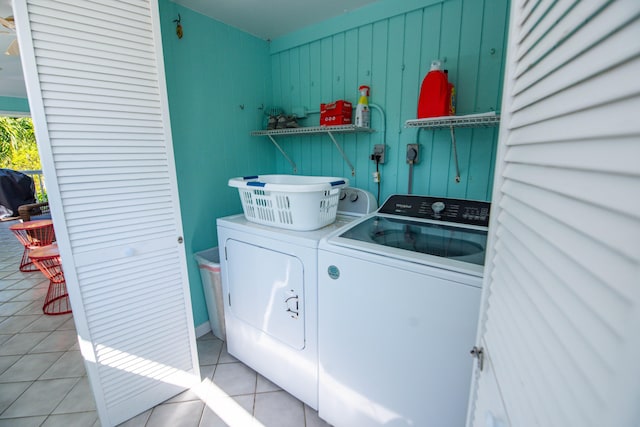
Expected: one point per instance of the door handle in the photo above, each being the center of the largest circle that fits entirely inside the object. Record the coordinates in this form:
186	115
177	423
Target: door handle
293	306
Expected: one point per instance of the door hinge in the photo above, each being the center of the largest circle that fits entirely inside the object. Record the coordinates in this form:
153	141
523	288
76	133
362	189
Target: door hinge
478	353
229	298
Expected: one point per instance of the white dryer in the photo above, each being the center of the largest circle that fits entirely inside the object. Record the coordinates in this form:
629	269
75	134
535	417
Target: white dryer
399	296
269	282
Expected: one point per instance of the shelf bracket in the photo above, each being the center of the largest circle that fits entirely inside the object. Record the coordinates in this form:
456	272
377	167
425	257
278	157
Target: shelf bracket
455	153
313	130
291	162
489	119
344	156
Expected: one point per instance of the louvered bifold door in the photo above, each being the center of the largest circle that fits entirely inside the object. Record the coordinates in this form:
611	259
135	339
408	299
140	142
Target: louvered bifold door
561	322
96	86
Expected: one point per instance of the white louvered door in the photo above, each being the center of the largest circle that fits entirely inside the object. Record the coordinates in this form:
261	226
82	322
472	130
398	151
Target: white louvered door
561	302
95	79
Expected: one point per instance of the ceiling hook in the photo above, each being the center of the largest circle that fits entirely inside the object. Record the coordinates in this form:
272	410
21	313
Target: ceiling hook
179	31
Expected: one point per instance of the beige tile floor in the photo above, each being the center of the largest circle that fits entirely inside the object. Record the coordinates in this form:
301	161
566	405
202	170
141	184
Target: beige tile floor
43	381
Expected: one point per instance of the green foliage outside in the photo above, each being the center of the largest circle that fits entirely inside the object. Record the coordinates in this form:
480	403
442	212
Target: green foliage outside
18	147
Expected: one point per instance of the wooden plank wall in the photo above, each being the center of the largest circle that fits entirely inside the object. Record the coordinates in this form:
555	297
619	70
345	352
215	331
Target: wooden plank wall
393	55
210	72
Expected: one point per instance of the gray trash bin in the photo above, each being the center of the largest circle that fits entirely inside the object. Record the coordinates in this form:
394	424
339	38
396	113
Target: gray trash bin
209	264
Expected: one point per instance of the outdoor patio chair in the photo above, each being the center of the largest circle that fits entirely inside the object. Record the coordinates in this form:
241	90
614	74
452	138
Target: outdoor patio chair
33	209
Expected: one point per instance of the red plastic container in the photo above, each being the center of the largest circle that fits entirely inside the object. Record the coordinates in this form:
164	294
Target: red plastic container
436	95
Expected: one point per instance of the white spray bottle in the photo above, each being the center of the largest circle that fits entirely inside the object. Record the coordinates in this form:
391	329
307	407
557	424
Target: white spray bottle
363	118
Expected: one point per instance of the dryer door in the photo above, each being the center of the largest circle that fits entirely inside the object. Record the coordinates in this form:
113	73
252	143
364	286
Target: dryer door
269	297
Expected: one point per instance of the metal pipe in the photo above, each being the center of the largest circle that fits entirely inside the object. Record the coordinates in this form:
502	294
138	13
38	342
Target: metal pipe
383	131
410	189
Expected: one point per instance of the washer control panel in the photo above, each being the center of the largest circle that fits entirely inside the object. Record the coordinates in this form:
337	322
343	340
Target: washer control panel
438	208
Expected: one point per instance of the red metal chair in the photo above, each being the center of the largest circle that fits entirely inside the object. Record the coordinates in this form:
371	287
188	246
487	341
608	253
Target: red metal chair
33	234
47	259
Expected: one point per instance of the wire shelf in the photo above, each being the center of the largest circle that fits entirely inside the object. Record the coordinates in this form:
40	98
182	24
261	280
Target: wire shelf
471	120
328	130
313	130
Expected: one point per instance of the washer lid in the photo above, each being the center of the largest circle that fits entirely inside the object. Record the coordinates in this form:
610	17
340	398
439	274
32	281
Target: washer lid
466	244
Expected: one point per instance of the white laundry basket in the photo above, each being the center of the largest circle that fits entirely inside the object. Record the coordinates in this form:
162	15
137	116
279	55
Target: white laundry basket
293	202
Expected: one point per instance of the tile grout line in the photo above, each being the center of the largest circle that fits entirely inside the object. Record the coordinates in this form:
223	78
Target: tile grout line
45	371
255	392
14	401
65	396
204	407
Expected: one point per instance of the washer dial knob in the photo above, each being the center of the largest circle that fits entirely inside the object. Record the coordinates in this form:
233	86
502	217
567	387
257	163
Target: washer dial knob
437	207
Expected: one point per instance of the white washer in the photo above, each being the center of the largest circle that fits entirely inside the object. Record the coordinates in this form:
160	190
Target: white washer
269	282
398	297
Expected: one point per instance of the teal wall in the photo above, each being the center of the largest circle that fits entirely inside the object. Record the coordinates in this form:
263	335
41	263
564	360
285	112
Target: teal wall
210	73
389	46
219	78
215	69
14	104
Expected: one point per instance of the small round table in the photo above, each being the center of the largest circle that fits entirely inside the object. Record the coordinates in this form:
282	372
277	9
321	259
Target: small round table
47	259
33	234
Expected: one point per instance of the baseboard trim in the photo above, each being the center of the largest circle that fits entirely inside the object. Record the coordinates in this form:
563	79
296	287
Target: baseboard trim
203	329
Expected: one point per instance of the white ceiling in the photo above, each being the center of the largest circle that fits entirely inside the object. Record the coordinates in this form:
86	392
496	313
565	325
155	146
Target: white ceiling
11	81
266	19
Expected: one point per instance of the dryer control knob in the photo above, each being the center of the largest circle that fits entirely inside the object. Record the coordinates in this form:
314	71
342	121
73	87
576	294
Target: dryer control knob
353	197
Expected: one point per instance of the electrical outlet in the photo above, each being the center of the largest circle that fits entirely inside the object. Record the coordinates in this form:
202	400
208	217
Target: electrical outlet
378	150
413	151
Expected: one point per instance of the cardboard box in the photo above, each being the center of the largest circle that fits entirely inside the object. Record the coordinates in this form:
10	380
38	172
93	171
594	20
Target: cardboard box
335	120
336	113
